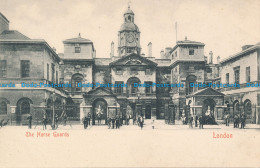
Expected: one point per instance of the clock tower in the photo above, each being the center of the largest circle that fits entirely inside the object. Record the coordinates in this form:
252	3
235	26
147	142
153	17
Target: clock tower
129	35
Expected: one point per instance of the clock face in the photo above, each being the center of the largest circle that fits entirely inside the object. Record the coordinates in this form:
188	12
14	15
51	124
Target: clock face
130	38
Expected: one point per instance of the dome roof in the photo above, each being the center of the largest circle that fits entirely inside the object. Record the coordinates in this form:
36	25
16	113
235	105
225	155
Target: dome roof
129	26
129	11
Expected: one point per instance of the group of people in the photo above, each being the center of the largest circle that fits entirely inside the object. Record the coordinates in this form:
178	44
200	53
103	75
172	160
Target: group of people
237	120
114	121
86	121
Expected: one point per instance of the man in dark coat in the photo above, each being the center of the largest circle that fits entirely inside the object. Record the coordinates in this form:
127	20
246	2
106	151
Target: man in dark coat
196	121
201	120
117	121
243	120
85	122
29	118
89	118
44	121
236	121
141	120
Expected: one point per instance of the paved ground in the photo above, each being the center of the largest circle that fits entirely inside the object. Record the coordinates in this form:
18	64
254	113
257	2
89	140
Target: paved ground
165	146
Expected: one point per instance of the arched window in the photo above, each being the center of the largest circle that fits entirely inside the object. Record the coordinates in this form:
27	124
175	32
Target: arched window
129	18
23	106
248	108
3	107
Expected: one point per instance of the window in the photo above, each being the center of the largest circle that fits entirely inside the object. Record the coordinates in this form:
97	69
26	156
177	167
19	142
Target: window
148	71
176	54
237	75
57	81
191	51
3	107
129	18
227	78
76	79
25	68
2	68
119	88
247	74
77	48
172	56
119	71
52	72
48	72
148	90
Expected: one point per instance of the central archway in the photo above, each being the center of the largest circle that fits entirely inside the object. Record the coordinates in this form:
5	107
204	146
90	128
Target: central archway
131	90
208	111
99	111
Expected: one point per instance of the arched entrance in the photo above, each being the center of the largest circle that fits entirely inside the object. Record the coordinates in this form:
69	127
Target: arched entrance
208	111
99	111
23	107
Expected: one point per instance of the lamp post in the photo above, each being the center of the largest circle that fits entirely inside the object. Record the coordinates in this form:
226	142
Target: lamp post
53	110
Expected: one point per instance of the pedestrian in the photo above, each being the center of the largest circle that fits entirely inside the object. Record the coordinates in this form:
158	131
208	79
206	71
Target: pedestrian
109	122
56	120
141	120
113	123
236	121
89	118
152	124
190	122
85	122
44	121
1	122
227	119
243	120
65	118
196	121
117	121
29	118
201	120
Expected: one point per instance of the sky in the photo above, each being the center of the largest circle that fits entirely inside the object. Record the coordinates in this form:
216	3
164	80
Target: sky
223	25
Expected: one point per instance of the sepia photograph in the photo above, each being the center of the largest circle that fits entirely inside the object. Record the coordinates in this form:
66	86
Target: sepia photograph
129	83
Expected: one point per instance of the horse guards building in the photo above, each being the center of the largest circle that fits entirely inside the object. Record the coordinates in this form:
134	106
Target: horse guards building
26	61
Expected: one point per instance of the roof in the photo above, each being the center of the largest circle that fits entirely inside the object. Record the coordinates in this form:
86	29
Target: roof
29	41
133	59
163	62
241	53
207	92
79	39
188	43
102	61
3	16
13	34
129	11
130	26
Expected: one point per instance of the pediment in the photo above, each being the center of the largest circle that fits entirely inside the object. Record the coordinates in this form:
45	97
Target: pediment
208	92
100	91
133	59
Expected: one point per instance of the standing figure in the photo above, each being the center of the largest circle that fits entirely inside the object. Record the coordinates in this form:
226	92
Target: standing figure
89	118
29	118
1	122
152	124
44	120
196	121
65	118
227	119
201	120
109	122
113	122
236	121
56	121
85	122
190	122
243	120
99	114
141	122
117	121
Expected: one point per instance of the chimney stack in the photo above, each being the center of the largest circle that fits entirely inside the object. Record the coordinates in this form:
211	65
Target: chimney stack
162	54
112	49
150	54
210	57
218	59
167	52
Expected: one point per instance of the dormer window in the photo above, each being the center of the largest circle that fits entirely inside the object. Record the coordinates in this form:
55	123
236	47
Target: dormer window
77	48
